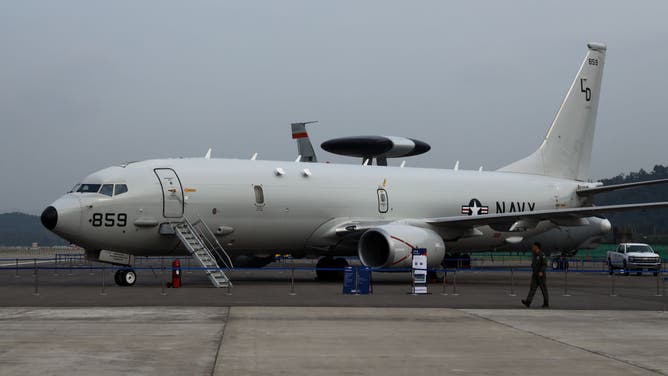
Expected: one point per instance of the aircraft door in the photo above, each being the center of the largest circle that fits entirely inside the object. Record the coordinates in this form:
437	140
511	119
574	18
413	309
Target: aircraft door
172	192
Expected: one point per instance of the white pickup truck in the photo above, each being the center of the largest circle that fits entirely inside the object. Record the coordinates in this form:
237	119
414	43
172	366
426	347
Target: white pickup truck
634	257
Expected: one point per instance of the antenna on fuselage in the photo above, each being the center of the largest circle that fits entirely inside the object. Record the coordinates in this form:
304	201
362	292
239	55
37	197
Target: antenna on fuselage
456	166
254	157
208	154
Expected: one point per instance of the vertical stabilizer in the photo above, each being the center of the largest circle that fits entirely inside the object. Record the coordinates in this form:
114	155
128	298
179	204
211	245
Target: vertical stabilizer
304	146
566	150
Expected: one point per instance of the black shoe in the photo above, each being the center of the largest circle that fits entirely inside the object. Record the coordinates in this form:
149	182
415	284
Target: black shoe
526	304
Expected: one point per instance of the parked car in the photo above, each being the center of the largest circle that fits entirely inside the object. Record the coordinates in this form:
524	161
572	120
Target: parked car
634	257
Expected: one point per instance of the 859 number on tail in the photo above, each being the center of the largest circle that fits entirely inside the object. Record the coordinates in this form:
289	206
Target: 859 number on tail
109	219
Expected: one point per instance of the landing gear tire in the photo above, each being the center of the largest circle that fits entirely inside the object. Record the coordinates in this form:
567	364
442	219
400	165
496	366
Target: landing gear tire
435	277
125	277
330	263
130	277
457	261
466	261
341	263
559	263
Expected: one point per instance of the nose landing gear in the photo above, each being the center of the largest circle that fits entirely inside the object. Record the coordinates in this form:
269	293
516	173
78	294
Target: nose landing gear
125	277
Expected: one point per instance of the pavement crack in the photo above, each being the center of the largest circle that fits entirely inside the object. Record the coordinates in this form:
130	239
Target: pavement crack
226	320
593	352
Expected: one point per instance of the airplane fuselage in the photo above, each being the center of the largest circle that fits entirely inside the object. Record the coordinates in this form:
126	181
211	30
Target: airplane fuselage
263	207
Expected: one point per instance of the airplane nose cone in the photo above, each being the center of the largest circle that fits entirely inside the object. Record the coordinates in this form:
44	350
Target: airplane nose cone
49	217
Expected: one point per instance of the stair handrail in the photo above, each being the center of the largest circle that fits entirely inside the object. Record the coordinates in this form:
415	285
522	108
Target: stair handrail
227	263
194	232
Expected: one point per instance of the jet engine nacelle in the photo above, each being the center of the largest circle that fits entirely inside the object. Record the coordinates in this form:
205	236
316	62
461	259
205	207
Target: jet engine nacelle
391	246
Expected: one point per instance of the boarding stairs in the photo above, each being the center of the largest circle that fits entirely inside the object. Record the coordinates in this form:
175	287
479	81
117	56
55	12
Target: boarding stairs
202	244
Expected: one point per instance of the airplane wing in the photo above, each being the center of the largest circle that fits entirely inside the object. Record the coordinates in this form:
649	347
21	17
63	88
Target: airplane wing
614	187
544	215
465	224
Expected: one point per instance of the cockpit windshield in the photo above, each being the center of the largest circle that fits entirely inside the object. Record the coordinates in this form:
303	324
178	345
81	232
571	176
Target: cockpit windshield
106	189
120	188
89	188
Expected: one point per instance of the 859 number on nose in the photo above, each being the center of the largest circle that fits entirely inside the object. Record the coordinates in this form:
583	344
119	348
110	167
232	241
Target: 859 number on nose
109	219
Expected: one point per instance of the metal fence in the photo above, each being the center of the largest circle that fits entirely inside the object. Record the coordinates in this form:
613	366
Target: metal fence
71	263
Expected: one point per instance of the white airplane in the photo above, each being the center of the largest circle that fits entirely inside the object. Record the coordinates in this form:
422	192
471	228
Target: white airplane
219	209
562	240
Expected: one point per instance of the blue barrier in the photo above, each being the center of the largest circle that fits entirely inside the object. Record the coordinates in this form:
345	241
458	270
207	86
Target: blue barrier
34	263
31	266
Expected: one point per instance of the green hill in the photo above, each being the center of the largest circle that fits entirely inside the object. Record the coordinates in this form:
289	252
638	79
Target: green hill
650	225
18	229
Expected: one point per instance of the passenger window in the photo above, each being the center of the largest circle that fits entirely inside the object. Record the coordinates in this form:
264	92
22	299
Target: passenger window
120	189
259	195
107	189
89	188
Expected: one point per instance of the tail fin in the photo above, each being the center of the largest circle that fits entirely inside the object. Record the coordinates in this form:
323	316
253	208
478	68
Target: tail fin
566	150
304	146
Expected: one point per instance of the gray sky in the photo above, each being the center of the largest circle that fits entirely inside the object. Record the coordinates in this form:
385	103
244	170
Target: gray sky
87	84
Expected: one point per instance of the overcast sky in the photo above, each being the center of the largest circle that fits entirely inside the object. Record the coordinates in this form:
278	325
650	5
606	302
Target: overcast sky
87	84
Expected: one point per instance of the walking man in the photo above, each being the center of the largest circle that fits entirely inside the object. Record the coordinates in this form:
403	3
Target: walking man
538	278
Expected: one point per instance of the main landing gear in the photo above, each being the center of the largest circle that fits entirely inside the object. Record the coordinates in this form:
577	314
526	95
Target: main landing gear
125	277
329	262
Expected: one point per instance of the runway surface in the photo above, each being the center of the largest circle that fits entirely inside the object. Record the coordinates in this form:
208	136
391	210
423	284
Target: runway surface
330	341
76	321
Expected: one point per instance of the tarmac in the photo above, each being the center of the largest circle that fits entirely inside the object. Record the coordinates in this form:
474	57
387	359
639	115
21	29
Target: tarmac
66	320
330	341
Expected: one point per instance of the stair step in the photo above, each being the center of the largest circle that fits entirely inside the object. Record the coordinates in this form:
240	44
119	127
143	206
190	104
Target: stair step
198	247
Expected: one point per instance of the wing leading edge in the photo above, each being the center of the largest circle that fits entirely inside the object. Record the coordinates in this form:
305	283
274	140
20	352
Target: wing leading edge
540	215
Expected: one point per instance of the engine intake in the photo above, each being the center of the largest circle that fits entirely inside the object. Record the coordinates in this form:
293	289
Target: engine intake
391	246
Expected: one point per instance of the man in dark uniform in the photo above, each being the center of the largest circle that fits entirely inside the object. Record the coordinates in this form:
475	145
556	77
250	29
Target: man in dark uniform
538	278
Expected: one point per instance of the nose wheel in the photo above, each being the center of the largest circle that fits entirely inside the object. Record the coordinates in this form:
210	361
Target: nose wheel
125	277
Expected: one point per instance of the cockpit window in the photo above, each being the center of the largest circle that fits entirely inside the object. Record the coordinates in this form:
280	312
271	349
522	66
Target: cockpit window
107	189
89	188
120	188
75	188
